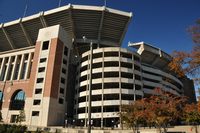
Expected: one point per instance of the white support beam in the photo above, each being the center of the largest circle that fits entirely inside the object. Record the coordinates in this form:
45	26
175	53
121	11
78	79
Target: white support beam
28	65
14	67
28	39
42	20
8	68
7	37
125	29
2	66
21	67
101	25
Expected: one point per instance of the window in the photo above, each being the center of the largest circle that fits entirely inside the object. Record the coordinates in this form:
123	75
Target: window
41	69
136	58
126	55
29	72
12	59
66	51
63	80
45	45
38	91
137	77
16	71
3	73
126	65
60	101
126	75
64	70
23	71
111	54
97	65
97	55
138	87
36	102
84	59
127	97
10	72
26	57
111	74
64	61
40	80
127	85
111	64
136	67
17	100
35	113
42	60
62	90
111	85
96	75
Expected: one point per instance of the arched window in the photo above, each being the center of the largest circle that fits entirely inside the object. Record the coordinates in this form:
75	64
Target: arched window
1	99
17	100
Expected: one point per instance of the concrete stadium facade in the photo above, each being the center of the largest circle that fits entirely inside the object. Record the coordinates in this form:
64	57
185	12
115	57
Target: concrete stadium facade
45	67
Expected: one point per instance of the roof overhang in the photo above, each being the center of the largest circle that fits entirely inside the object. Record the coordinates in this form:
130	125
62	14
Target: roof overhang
152	55
97	23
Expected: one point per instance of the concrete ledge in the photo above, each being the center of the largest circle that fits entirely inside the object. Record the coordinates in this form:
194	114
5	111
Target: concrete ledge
176	129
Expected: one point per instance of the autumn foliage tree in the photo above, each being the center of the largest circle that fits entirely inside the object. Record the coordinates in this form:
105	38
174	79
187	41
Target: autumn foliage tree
157	110
163	109
133	114
188	63
191	115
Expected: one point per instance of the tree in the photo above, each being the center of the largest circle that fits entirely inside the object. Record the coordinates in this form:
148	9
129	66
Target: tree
163	109
157	110
133	114
21	117
191	115
194	30
188	63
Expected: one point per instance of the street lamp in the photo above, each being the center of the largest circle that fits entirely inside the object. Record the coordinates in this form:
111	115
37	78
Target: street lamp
66	120
73	123
90	86
112	124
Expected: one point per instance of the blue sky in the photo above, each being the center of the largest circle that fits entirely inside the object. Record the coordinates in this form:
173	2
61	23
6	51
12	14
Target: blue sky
162	23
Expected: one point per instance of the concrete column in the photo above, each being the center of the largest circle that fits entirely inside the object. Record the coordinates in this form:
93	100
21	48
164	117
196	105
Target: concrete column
102	101
133	68
120	95
28	65
2	66
8	67
86	103
20	67
14	67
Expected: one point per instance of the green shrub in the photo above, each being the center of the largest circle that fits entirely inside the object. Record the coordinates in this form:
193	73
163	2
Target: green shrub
5	128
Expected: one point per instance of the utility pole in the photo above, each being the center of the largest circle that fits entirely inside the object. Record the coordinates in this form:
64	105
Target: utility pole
90	89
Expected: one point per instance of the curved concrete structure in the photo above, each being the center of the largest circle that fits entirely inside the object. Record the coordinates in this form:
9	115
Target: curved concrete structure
118	77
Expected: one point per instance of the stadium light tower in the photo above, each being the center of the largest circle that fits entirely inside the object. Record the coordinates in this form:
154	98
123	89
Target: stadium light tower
90	85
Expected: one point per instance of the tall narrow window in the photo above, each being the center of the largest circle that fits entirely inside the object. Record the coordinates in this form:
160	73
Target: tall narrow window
45	45
66	51
23	71
16	71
